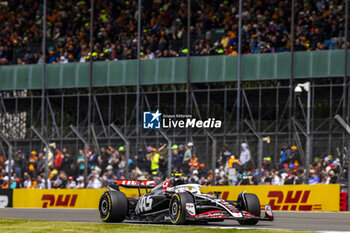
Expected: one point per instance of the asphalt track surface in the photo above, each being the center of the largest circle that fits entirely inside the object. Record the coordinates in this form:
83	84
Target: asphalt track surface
307	221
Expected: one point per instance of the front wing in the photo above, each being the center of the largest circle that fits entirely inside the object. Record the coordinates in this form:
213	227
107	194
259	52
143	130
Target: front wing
218	215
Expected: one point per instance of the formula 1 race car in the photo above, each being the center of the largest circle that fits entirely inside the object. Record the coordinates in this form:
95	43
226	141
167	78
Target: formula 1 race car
178	203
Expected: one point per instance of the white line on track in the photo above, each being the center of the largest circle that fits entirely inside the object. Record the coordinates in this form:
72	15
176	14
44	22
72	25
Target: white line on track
228	227
313	212
286	212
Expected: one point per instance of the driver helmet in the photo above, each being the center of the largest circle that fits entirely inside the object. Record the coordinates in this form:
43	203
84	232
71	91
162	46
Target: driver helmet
175	182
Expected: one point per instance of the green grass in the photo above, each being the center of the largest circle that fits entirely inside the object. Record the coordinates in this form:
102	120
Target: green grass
34	226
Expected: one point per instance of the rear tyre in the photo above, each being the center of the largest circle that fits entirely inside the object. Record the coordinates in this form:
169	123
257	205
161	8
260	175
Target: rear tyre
177	207
113	206
251	204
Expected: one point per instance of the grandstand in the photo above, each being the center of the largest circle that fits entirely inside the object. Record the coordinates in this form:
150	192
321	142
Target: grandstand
186	65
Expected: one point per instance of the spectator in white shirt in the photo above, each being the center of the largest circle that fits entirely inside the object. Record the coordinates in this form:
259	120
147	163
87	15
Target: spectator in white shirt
27	183
275	179
94	182
80	184
71	183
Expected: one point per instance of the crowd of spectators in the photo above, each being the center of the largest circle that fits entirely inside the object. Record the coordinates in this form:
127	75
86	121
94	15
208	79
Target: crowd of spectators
319	25
104	167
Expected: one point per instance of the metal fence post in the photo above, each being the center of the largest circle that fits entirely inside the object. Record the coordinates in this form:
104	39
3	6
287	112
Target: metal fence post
260	148
347	129
213	157
86	145
43	79
9	157
260	155
291	78
46	156
95	138
308	138
308	155
139	73
239	77
307	150
127	144
10	165
170	156
213	153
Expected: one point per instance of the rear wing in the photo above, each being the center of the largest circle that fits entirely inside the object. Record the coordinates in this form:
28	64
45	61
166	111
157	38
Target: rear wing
132	184
136	184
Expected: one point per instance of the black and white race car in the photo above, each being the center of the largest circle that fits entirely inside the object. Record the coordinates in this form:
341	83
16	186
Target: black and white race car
178	203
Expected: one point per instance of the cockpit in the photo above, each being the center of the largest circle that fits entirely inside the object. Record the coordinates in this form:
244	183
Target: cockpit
176	185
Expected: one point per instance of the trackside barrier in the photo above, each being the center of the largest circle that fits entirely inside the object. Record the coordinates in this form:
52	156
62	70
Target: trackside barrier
61	198
287	197
343	201
56	198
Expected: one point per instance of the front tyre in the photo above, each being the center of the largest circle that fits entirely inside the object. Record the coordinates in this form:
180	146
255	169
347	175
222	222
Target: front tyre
113	206
251	204
177	207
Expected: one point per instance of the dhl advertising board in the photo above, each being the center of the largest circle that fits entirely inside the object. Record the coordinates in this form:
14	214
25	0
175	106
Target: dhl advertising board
287	197
62	198
56	198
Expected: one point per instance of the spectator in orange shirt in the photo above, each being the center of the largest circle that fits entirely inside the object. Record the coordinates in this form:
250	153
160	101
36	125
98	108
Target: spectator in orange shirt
5	183
58	158
194	164
233	162
33	161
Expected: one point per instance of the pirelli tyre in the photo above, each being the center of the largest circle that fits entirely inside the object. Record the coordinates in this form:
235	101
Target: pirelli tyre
177	207
113	206
249	202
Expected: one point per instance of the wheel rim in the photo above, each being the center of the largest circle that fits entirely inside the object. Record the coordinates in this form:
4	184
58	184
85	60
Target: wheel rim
104	206
174	208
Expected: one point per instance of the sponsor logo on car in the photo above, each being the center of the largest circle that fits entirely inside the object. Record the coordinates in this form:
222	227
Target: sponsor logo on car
237	215
211	214
268	210
190	209
144	204
135	183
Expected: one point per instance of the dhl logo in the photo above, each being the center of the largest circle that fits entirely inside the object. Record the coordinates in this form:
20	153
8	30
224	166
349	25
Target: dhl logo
61	201
294	200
